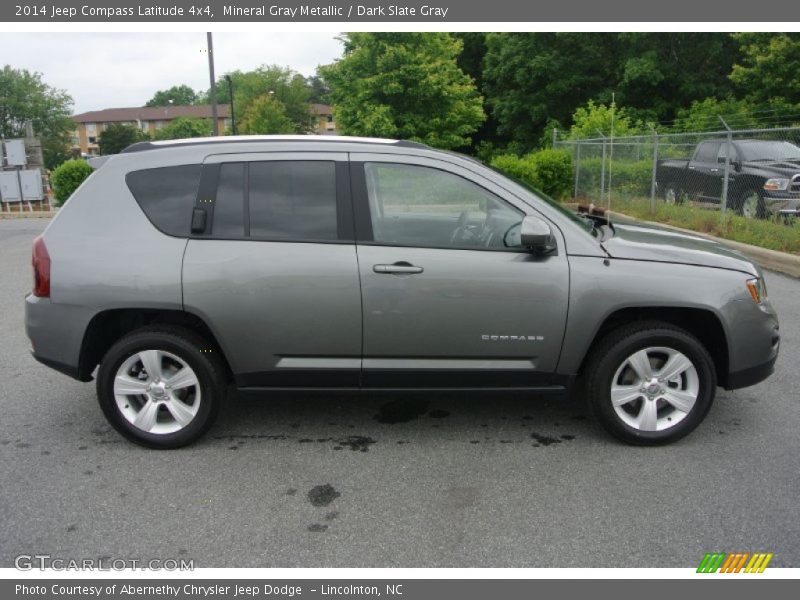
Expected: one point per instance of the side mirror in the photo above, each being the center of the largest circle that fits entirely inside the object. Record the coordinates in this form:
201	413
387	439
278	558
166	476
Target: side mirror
536	235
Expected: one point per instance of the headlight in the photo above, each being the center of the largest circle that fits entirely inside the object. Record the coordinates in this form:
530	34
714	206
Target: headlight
776	185
758	289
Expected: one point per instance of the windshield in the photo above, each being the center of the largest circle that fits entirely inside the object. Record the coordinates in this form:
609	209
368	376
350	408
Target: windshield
767	150
584	222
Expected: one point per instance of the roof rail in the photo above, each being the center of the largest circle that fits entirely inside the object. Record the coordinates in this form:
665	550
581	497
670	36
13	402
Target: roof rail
230	139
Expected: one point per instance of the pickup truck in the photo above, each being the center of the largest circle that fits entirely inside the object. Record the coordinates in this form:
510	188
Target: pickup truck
764	176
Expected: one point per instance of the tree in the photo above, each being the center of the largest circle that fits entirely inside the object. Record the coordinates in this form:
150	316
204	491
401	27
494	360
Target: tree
704	115
179	95
318	89
592	120
66	178
117	136
25	97
660	73
769	68
533	78
404	85
265	115
184	127
286	86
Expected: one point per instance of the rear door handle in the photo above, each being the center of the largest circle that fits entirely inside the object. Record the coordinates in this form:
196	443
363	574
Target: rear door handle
398	268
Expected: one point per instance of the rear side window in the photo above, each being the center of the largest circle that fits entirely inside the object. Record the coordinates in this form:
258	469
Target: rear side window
293	199
283	200
167	196
229	205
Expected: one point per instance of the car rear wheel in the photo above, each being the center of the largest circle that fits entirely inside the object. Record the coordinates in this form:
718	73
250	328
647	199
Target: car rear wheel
673	194
650	383
161	388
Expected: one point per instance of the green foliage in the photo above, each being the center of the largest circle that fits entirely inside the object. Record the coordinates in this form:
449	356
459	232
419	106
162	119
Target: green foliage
265	115
592	120
282	83
179	95
117	136
66	178
318	89
184	127
547	170
404	85
768	70
628	178
703	115
530	78
25	97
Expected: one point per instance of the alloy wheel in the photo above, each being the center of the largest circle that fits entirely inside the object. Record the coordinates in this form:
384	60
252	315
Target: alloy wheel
654	389
157	391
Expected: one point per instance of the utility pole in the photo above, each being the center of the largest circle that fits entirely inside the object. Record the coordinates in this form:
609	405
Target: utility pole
723	201
230	93
214	122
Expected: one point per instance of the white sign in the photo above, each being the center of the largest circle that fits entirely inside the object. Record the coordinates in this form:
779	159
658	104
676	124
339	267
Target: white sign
31	180
9	186
15	153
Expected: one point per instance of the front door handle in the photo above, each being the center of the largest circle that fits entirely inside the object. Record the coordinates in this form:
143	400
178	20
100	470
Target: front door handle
398	268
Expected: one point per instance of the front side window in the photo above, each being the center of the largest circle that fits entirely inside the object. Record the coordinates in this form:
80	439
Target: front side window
707	152
412	205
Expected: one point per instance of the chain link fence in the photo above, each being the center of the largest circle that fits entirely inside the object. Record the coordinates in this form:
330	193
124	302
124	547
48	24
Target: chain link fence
754	173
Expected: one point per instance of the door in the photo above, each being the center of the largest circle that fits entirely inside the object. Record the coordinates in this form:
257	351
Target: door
450	299
705	172
274	273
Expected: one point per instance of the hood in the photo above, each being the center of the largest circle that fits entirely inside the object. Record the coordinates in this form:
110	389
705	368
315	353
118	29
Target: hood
635	241
781	168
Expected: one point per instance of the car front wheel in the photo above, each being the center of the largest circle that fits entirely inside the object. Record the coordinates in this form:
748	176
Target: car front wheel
160	388
650	383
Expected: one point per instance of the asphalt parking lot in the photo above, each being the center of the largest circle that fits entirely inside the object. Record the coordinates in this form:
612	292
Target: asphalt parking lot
360	481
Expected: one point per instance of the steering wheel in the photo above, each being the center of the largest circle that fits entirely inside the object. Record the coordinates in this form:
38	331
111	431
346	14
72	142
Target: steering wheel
511	238
462	233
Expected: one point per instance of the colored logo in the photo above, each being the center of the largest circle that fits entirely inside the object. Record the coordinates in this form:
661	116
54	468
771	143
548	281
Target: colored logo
738	562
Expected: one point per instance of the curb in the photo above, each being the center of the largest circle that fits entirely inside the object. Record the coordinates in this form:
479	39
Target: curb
772	260
37	214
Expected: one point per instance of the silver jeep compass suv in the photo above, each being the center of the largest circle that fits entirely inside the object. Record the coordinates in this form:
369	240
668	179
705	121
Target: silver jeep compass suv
317	263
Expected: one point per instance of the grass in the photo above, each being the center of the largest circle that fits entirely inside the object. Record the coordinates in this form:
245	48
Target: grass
774	234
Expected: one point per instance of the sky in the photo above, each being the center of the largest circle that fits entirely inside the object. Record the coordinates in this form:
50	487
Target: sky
109	70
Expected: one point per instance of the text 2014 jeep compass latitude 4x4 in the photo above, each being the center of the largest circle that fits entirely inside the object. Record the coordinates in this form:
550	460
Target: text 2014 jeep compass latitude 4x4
303	262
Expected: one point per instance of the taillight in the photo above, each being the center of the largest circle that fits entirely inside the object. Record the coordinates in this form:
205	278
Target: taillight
41	269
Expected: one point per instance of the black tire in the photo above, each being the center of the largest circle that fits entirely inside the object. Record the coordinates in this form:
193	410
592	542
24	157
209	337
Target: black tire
673	193
190	348
612	351
744	204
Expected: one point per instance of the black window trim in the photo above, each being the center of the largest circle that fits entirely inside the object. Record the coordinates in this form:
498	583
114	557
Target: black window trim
363	222
207	196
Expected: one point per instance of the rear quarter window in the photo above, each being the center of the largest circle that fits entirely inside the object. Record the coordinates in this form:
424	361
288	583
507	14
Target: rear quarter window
167	196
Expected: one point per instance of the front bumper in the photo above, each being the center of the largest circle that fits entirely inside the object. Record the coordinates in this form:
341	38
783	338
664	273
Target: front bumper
783	203
751	376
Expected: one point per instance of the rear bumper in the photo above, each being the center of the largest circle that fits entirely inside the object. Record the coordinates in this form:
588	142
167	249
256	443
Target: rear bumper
56	334
66	369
